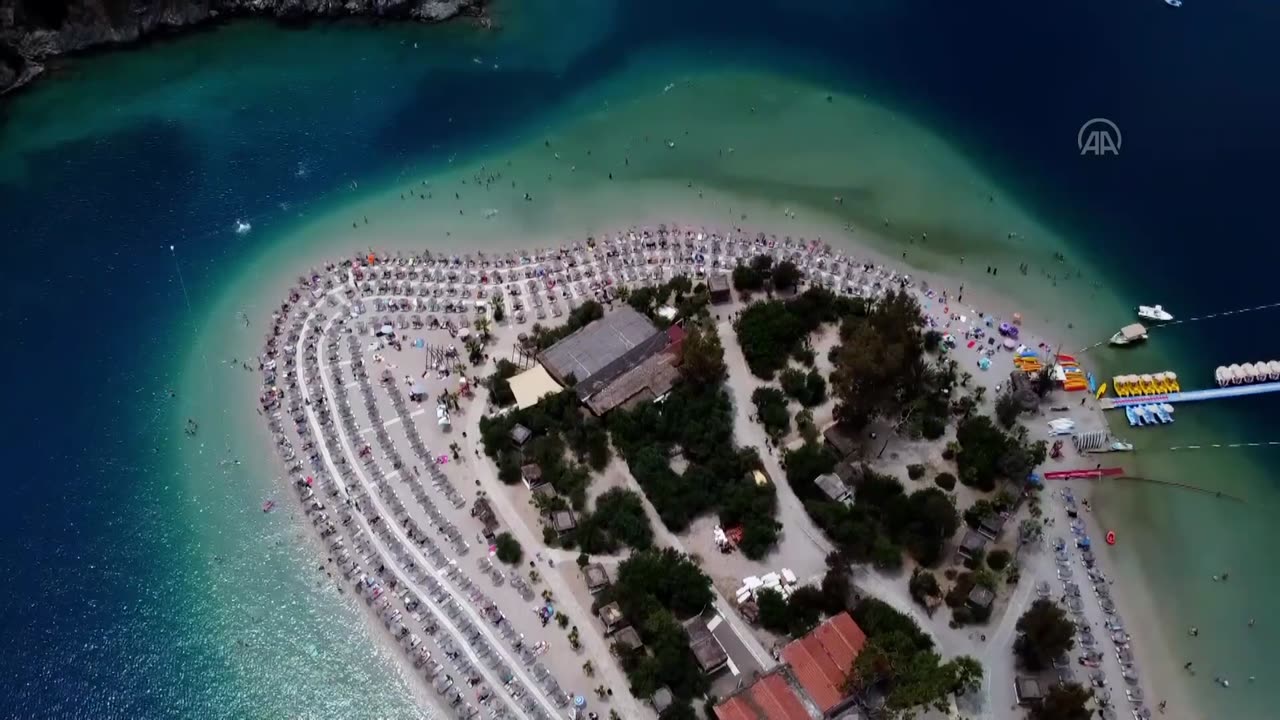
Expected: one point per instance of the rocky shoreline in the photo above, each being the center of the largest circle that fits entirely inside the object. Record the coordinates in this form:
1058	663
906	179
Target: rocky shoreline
34	32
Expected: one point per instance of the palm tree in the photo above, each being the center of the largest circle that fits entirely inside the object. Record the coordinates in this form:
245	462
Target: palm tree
588	669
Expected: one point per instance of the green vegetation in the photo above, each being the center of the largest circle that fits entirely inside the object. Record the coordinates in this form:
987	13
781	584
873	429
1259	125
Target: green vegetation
1065	702
792	616
618	519
559	426
915	471
879	363
987	453
998	560
924	588
770	332
655	589
883	522
899	662
946	481
808	388
1044	633
958	596
702	356
785	276
509	550
751	277
579	318
696	420
1008	409
679	292
771	410
499	388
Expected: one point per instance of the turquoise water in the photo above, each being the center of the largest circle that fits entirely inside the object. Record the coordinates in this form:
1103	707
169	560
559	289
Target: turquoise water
158	587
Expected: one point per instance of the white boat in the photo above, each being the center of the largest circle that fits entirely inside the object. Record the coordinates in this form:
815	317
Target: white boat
1154	312
1120	446
1173	3
1129	334
242	227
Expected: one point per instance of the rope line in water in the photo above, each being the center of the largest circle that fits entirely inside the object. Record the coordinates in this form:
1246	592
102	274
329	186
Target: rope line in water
1223	446
1183	486
1210	316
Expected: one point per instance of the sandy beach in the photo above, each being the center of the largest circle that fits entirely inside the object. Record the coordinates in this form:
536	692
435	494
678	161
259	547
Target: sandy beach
946	316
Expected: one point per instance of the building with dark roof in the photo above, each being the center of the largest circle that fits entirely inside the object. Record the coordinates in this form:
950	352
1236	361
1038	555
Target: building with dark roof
840	440
707	650
596	577
594	355
973	543
718	288
823	659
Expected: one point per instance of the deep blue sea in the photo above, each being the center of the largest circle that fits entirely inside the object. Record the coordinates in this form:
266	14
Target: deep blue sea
107	163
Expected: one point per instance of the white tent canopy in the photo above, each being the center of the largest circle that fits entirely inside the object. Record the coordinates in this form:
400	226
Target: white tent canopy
532	385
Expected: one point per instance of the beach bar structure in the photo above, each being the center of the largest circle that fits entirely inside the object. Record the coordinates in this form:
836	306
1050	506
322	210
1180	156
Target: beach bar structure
593	356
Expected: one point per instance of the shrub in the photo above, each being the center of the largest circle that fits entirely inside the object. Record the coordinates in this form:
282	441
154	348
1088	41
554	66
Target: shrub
998	560
933	427
509	550
946	481
915	471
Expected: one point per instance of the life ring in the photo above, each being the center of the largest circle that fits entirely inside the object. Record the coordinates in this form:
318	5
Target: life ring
1111	537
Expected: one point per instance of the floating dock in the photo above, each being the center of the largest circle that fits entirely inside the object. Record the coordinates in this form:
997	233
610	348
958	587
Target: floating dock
1192	395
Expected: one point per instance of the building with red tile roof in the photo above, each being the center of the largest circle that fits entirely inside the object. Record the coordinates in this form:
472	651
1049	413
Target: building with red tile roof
823	659
769	698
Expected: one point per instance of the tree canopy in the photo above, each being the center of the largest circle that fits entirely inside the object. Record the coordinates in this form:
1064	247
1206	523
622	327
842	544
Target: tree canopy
701	356
618	519
772	412
558	426
1044	633
880	362
654	589
900	662
696	421
1069	701
883	522
509	550
987	453
808	388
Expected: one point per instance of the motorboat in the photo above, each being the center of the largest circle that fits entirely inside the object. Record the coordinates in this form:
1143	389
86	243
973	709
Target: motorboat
1154	312
1130	334
242	227
1173	3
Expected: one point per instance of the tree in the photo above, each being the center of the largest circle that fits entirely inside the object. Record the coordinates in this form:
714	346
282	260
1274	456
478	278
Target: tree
702	356
1044	633
998	560
809	388
768	333
980	510
1008	409
880	363
668	577
924	588
785	275
771	409
773	610
618	519
509	550
805	463
747	279
1064	702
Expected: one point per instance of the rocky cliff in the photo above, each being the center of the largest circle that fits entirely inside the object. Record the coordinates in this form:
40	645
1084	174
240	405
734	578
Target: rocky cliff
34	31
